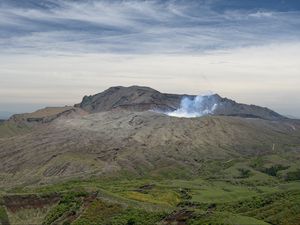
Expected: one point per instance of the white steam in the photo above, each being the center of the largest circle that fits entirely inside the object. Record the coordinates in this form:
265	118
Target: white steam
195	107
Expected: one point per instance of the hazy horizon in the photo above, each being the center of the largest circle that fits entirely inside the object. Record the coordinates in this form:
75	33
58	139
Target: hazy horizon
54	52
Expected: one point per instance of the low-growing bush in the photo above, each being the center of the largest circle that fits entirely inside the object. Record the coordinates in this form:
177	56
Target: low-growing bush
244	173
3	216
55	213
273	170
293	175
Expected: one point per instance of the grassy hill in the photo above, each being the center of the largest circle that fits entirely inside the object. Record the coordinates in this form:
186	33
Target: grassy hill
155	201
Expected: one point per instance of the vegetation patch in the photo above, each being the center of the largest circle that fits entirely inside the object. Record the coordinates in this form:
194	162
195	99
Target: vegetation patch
223	218
230	192
282	208
98	212
273	170
68	206
169	198
293	175
244	173
134	216
3	216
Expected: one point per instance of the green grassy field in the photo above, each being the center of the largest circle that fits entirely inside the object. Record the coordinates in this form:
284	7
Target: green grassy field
242	192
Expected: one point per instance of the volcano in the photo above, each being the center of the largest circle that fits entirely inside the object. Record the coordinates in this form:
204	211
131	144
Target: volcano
123	130
137	98
136	154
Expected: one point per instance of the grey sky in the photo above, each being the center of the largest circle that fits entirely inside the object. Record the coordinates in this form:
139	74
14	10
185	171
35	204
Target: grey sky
55	51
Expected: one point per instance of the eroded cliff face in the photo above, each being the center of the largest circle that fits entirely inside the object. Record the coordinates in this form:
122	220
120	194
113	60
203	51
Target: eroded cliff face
15	203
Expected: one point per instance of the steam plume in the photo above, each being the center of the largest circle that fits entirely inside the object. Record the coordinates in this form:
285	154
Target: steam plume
195	107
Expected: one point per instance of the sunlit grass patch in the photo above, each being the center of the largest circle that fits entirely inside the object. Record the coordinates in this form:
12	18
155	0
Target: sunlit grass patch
163	197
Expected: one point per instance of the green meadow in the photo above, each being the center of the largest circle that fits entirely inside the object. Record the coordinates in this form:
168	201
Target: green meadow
242	192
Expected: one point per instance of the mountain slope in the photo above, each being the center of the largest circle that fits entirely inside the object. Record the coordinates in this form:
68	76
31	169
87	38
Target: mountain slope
137	142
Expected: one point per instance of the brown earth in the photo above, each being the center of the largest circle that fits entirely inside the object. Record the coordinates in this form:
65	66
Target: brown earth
15	203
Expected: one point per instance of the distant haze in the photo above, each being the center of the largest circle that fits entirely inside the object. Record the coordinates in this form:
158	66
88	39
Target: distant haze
5	115
53	52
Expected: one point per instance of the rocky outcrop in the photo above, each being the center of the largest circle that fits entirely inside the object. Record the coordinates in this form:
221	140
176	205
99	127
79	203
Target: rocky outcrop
229	107
45	115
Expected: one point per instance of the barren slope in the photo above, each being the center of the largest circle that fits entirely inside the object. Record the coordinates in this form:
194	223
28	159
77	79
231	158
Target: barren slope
121	141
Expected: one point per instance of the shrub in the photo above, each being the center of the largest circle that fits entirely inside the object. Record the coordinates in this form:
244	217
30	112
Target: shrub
244	173
293	175
55	213
3	216
273	170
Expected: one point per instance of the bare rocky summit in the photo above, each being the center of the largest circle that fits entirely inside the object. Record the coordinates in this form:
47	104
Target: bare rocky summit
144	98
132	98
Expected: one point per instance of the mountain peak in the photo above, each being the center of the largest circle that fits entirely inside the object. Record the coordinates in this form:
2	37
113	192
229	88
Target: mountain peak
138	98
141	98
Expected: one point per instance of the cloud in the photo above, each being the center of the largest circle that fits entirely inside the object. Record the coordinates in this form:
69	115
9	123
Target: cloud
247	50
265	75
261	14
140	27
